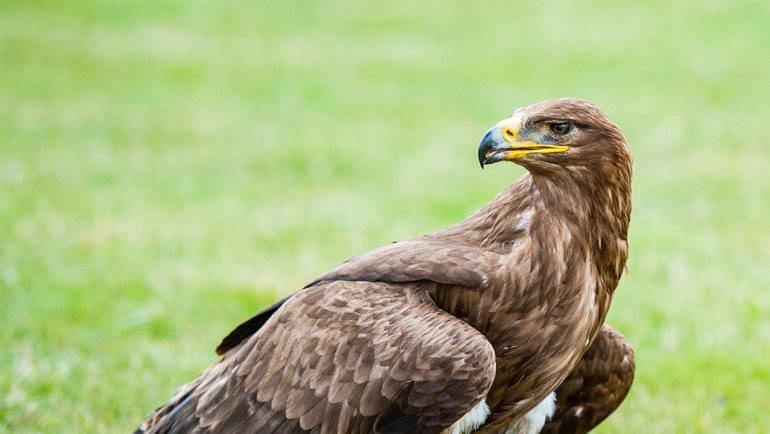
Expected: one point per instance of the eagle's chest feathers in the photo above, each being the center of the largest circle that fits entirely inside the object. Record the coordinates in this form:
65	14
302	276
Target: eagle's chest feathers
546	315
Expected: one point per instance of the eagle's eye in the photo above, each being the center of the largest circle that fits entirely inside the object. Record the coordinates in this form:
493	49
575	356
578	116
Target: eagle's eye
560	128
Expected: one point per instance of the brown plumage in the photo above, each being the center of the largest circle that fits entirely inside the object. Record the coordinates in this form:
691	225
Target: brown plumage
498	309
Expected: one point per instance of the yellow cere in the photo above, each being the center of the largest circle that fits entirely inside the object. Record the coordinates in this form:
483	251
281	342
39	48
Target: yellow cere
510	129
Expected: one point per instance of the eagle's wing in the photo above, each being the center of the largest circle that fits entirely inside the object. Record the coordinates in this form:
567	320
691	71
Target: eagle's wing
423	259
596	387
341	356
419	259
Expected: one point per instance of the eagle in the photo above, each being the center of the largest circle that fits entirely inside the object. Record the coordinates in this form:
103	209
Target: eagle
494	325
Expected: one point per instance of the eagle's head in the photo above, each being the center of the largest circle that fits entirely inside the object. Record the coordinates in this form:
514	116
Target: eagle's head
552	135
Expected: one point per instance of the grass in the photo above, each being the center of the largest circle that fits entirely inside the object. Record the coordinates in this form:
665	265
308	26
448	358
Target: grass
169	167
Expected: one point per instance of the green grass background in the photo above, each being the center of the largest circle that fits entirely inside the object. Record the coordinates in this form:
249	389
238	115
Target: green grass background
169	167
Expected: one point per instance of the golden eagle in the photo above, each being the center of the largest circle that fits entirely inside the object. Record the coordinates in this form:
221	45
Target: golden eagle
494	325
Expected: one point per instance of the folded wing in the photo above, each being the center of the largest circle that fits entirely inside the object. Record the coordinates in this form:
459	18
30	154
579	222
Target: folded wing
341	357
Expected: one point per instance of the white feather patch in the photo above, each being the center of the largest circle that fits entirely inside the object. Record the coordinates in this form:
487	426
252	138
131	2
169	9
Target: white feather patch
539	415
524	219
471	420
535	419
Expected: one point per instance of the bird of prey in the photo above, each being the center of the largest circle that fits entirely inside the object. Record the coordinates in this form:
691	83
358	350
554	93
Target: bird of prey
494	325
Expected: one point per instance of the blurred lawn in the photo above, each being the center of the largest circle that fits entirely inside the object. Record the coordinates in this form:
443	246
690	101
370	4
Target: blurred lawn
169	167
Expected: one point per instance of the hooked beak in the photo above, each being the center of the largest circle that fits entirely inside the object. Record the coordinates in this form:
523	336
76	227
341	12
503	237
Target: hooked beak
502	142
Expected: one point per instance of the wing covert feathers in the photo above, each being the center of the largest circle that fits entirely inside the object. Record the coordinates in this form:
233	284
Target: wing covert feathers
343	357
399	262
422	259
